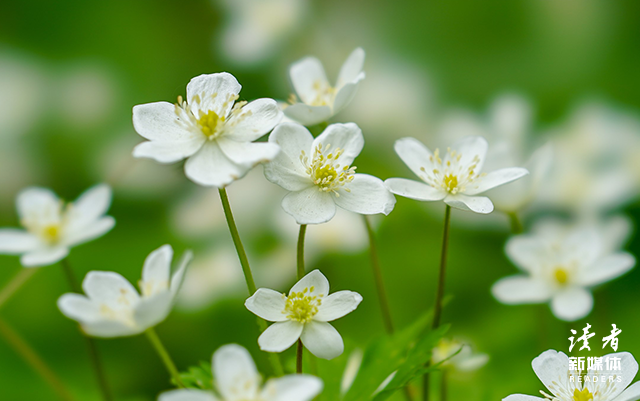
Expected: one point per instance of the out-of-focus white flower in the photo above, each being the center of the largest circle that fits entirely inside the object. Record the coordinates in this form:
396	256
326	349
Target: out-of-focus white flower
553	369
597	158
455	178
210	129
560	266
237	379
319	174
351	370
112	306
255	29
320	100
465	360
53	228
303	314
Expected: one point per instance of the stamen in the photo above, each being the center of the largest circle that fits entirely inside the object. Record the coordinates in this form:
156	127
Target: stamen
325	171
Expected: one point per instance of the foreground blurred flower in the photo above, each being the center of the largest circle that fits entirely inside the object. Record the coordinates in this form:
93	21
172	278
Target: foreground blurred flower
113	307
237	379
552	368
456	179
319	175
320	100
303	314
210	129
560	267
51	228
465	360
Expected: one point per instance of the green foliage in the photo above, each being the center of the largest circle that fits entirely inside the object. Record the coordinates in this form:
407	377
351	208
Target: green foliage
199	377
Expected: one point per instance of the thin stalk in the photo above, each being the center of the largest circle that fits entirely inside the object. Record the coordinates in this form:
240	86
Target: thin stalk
16	282
516	224
437	310
300	259
33	359
246	269
91	344
299	357
377	275
443	385
164	355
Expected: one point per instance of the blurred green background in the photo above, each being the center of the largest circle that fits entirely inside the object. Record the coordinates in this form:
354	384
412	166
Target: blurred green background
70	72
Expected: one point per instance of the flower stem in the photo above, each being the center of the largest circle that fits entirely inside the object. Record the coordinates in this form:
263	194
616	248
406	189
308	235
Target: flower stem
300	259
91	344
437	310
246	269
33	359
299	357
164	355
377	275
516	224
443	385
16	282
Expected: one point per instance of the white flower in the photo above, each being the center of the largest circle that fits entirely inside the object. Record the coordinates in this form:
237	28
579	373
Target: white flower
113	307
464	361
303	314
560	267
320	175
237	379
210	129
455	177
552	368
53	228
320	100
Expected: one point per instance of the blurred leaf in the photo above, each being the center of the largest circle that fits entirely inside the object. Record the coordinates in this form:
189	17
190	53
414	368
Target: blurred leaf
199	377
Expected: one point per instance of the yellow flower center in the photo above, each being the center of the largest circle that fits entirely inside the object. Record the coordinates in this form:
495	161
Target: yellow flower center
302	306
325	171
324	94
561	275
51	233
449	174
208	123
584	395
450	182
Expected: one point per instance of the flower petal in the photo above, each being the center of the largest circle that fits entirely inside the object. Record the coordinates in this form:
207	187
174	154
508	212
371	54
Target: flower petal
292	388
80	308
267	304
632	393
248	154
188	394
109	329
527	252
34	202
211	167
606	269
626	373
235	373
280	336
367	195
572	304
414	189
178	276
496	178
351	70
315	280
87	233
158	122
287	170
310	206
347	137
169	152
551	366
308	115
152	310
91	205
109	288
14	241
306	75
322	340
521	290
214	91
337	305
345	95
257	118
478	204
156	270
520	397
414	154
469	148
44	256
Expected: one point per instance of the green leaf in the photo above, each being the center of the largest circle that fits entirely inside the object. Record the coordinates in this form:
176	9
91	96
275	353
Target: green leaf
199	377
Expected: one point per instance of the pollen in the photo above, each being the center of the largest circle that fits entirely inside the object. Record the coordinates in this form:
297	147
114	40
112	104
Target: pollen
324	94
302	306
208	123
451	183
51	233
561	275
325	171
584	395
448	173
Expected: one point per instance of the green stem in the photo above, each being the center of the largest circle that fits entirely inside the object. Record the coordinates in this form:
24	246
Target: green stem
33	359
164	355
377	275
443	385
300	259
516	224
437	310
246	269
299	357
16	282
91	344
